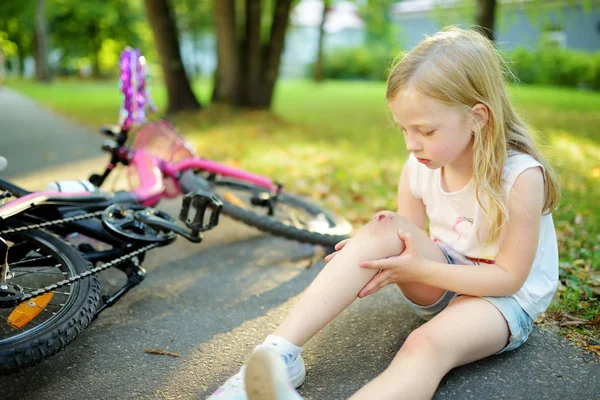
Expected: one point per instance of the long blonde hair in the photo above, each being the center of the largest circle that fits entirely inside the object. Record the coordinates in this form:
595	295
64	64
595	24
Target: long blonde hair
462	68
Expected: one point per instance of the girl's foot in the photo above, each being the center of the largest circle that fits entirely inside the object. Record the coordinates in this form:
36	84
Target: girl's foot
234	388
267	377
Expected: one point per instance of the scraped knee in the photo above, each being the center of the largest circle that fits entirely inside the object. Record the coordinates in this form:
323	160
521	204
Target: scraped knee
389	221
387	217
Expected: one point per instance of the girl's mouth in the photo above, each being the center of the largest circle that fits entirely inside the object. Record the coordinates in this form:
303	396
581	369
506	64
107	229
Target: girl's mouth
423	160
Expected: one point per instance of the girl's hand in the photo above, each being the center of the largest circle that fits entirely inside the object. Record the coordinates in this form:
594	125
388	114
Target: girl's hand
407	267
337	247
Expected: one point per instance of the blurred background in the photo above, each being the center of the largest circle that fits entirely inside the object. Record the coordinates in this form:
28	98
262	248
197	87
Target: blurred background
294	89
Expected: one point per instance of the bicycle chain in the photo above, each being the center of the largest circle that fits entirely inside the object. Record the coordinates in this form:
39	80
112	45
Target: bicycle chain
78	277
51	223
95	270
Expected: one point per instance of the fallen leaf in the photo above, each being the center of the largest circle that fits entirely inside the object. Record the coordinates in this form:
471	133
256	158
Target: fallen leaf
161	352
574	323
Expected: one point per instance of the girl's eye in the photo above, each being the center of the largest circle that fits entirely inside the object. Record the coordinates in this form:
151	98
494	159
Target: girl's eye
428	133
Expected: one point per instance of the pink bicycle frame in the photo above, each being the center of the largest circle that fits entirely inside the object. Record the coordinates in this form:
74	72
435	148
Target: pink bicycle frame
150	171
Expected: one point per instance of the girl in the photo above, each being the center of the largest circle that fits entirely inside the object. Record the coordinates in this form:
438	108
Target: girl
490	264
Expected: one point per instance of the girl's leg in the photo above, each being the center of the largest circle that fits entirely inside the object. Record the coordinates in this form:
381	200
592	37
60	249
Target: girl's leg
336	287
469	329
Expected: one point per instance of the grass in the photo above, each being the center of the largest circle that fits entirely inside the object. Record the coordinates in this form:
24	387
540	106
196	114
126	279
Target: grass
335	142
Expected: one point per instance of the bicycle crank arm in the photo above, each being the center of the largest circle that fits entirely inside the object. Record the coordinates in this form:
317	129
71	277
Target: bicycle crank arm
165	225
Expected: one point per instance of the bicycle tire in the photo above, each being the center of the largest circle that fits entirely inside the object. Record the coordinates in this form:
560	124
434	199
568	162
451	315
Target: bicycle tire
338	228
66	324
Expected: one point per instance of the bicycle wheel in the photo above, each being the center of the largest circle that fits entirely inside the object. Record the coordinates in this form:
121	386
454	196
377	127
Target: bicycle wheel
42	326
285	215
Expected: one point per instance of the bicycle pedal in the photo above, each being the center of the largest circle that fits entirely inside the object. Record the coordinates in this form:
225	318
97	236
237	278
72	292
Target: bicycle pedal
200	201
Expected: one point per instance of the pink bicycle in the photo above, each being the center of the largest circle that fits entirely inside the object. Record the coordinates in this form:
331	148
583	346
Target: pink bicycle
49	286
171	168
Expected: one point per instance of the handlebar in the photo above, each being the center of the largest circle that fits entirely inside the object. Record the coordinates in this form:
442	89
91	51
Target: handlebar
111	131
115	132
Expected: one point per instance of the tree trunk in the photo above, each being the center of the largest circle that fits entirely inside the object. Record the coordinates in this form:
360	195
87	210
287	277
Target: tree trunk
485	17
247	69
318	72
21	57
273	54
227	75
42	72
252	53
179	91
94	48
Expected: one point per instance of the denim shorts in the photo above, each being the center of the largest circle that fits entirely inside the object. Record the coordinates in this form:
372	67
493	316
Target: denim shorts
519	322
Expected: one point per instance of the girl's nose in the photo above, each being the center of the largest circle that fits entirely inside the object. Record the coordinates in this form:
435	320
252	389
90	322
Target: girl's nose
412	143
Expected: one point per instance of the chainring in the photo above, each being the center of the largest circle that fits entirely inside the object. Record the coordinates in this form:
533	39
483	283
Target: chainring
121	221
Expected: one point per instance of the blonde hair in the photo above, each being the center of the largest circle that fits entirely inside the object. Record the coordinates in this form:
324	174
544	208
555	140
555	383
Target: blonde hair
462	68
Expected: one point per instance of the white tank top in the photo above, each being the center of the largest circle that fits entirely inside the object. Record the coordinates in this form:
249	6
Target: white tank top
456	219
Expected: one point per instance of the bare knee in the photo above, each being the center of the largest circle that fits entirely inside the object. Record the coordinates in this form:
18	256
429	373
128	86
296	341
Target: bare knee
384	227
426	346
389	220
421	343
385	216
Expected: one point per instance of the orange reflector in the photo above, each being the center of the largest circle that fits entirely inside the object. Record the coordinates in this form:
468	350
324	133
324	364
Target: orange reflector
234	200
28	310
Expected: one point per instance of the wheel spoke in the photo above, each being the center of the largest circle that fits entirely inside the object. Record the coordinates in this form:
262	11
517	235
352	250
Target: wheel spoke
19	264
293	217
9	324
39	271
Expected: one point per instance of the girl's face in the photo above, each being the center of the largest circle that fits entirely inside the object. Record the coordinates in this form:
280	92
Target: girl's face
438	135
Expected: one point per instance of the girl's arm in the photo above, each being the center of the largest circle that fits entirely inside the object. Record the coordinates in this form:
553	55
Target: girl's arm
517	251
408	205
513	261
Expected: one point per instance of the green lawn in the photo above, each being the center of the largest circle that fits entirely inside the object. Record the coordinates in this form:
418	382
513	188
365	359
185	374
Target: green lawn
336	139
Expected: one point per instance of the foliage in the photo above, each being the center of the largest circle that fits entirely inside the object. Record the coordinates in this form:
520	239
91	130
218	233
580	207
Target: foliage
554	66
359	63
194	17
544	66
91	32
378	24
17	25
95	29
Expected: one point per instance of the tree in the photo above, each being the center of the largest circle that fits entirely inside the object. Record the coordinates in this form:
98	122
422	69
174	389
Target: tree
42	72
17	21
83	29
179	92
249	48
380	31
318	72
195	20
485	18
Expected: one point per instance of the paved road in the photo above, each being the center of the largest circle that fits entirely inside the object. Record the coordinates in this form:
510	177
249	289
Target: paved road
212	303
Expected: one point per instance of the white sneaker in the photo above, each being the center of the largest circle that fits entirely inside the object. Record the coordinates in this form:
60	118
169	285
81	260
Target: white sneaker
267	378
234	389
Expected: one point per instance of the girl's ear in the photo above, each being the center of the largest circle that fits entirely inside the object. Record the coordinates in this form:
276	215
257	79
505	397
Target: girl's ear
481	115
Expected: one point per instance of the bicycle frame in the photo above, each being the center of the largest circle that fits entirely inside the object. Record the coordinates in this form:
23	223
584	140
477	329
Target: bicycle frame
151	172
